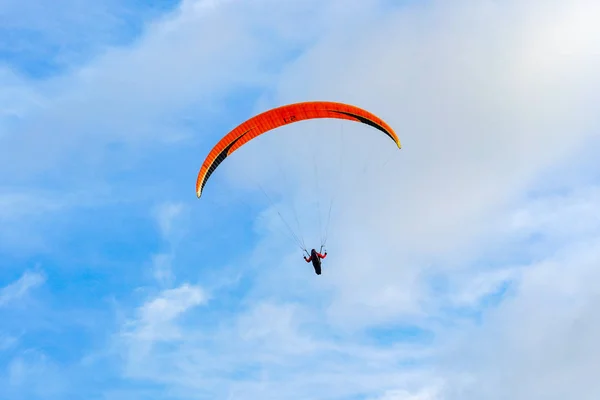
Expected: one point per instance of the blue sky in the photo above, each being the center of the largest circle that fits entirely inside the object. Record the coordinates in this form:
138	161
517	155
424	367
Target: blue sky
461	267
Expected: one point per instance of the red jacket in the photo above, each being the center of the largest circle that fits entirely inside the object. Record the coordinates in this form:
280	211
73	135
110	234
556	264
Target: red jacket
309	259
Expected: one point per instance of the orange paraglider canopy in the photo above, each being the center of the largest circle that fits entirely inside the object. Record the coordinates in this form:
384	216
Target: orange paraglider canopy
280	116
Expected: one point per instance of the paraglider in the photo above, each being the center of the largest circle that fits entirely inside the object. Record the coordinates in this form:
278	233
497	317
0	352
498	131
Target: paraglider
280	116
316	257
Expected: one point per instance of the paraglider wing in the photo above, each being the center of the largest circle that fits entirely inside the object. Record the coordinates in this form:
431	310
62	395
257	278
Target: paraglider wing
280	116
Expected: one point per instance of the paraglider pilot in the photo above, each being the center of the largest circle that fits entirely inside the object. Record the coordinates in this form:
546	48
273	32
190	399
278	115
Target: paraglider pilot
316	257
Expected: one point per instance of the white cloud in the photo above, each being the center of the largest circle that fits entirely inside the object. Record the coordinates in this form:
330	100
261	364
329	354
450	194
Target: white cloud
182	68
427	394
15	206
35	375
486	100
541	342
166	216
560	217
162	268
155	317
269	350
7	341
25	214
476	131
171	222
20	288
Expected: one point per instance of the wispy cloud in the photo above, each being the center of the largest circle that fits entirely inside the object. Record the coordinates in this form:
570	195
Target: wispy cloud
34	374
155	317
19	289
42	40
268	350
6	341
